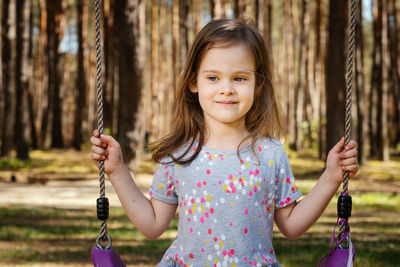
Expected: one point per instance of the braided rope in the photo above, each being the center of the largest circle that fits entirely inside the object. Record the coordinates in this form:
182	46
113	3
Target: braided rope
350	61
103	231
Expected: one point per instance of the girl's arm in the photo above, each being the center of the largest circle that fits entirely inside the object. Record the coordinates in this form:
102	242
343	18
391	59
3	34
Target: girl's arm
296	218
151	217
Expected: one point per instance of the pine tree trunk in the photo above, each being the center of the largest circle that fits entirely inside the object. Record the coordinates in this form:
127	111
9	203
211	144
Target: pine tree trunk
5	94
9	78
394	70
197	7
360	87
382	123
126	16
335	72
22	79
80	96
155	112
376	80
54	12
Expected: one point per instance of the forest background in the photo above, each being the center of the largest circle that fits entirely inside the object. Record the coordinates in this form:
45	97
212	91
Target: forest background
48	78
48	111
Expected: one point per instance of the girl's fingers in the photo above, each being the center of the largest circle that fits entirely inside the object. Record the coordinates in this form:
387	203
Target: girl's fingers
349	161
99	150
96	156
351	144
95	141
96	133
349	154
350	168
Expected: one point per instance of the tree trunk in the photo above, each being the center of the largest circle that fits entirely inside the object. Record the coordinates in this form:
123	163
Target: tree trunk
22	79
183	31
335	72
54	12
154	79
80	96
197	7
302	83
129	76
9	75
360	86
394	70
382	118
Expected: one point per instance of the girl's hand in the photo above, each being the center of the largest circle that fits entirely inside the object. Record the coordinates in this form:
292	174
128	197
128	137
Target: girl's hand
106	148
342	159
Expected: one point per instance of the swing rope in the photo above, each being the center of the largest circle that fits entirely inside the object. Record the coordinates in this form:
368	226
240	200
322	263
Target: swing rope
102	202
344	202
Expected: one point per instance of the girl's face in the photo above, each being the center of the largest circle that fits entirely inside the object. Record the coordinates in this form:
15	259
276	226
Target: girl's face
225	85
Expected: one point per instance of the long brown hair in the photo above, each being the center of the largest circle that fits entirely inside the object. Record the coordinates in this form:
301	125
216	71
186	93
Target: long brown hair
187	125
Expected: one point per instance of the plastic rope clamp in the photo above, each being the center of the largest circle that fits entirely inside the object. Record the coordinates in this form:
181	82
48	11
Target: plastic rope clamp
102	208
344	206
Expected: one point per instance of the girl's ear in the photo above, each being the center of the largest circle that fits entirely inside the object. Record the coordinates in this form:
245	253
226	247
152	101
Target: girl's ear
193	87
193	84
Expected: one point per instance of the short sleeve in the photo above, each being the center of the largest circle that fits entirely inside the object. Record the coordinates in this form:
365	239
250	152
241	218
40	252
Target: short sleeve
163	187
286	189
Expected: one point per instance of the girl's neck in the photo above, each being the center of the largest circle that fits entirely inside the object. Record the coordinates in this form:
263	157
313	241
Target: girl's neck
226	138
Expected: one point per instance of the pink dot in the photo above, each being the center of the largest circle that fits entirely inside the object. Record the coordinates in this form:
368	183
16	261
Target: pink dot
202	220
246	211
198	184
192	200
191	255
230	177
204	182
203	200
232	251
245	230
219	182
209	231
202	249
212	210
259	148
208	171
245	258
240	173
224	252
250	172
215	239
230	224
191	229
206	214
151	193
255	188
250	193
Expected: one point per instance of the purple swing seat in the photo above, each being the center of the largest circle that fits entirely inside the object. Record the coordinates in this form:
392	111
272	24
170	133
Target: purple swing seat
106	258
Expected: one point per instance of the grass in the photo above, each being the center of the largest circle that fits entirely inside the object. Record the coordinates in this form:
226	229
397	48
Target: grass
34	235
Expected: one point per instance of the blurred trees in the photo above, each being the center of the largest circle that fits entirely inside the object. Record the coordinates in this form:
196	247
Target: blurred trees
48	79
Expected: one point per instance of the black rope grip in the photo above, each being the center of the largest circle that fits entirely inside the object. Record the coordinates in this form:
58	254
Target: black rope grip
102	208
344	206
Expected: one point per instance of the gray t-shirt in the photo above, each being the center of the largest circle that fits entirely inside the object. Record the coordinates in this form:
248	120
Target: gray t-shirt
226	204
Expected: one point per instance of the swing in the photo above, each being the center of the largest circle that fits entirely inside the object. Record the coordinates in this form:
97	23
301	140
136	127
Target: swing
342	254
102	254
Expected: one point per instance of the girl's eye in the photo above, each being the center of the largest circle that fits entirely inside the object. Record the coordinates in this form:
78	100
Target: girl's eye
212	78
240	79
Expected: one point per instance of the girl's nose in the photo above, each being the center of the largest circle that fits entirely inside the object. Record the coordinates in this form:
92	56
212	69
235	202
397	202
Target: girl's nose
227	89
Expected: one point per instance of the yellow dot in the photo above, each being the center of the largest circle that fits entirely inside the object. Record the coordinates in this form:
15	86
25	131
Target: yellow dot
178	165
247	164
208	265
206	241
225	187
194	211
212	156
231	204
256	258
251	186
160	186
256	163
258	184
208	198
194	205
231	242
233	264
271	162
202	208
216	260
261	232
283	180
234	178
254	219
226	156
221	244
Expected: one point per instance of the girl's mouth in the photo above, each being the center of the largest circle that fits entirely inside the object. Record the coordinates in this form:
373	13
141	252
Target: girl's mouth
226	103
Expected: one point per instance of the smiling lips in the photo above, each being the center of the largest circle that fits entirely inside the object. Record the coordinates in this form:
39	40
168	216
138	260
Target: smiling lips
228	103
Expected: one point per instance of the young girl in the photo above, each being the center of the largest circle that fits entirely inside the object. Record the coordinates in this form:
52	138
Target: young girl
220	164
